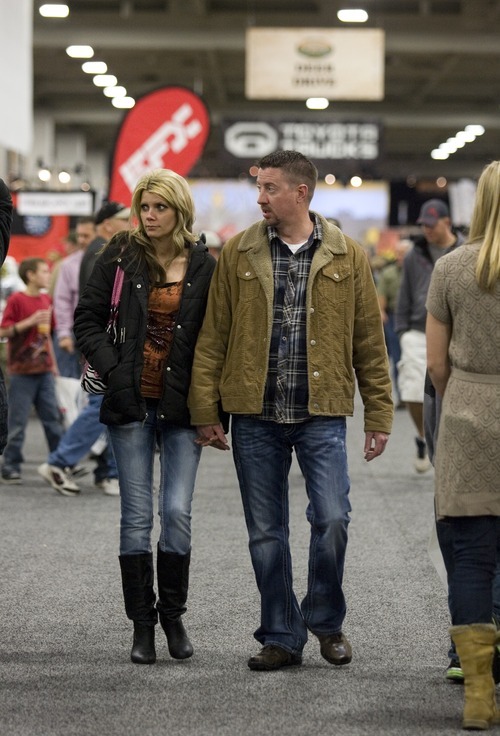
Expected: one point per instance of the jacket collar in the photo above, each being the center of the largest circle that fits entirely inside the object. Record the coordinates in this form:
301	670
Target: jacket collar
255	237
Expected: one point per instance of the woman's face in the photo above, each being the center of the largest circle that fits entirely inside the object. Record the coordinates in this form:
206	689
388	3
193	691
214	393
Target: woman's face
158	219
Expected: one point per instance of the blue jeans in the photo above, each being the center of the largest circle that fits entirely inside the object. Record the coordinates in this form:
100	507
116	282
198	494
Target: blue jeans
475	544
134	447
24	392
263	454
79	438
393	346
68	364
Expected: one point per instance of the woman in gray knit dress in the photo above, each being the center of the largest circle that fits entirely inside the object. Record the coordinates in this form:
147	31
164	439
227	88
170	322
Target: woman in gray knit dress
463	359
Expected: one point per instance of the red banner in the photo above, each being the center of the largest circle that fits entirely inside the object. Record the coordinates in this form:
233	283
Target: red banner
166	129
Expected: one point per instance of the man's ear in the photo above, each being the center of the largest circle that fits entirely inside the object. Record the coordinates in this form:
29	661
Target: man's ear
302	192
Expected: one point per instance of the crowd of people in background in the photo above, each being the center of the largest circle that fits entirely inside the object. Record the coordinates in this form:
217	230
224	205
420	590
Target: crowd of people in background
258	329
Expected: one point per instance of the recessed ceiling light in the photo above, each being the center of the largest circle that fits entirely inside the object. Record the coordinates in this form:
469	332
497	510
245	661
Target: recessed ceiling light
317	103
439	154
476	129
54	11
123	102
356	181
115	91
352	15
80	52
95	67
105	80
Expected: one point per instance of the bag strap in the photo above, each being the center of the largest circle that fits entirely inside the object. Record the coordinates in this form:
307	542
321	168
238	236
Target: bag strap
117	287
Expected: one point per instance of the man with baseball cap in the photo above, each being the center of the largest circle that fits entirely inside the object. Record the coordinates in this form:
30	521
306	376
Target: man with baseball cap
110	219
438	239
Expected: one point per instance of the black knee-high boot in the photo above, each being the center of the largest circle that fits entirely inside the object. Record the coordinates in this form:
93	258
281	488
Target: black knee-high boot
138	593
173	583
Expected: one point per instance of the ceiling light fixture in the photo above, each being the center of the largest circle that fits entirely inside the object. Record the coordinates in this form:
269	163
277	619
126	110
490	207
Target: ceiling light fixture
356	181
105	80
80	52
476	129
64	177
54	11
123	102
317	103
115	91
352	15
95	67
439	155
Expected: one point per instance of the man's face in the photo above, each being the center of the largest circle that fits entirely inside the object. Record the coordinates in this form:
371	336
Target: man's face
278	199
85	234
438	234
116	225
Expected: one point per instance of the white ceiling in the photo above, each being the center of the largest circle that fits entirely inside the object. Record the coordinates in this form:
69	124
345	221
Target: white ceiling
442	71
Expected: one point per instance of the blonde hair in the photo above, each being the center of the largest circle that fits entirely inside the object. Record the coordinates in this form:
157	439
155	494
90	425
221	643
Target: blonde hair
485	226
174	189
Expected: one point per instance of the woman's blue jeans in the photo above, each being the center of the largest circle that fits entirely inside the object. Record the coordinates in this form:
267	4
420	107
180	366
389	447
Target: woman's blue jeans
263	454
134	446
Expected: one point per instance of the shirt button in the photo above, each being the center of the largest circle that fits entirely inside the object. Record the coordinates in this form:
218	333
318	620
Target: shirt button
162	416
316	406
283	339
138	286
248	273
313	342
311	310
179	327
335	275
168	368
316	374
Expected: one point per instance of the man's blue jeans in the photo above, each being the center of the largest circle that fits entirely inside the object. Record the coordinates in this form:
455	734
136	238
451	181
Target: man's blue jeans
24	392
263	454
79	438
134	446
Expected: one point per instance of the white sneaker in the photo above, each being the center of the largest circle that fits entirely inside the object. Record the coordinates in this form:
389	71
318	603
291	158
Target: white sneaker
109	486
59	479
421	463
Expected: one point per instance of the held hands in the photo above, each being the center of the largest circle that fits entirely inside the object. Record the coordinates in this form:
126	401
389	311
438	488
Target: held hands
212	435
375	443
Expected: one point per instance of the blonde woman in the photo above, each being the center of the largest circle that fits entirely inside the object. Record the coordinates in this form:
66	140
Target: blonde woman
167	275
463	357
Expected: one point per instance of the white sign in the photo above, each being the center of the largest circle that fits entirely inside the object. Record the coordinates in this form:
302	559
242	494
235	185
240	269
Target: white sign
78	204
294	64
328	140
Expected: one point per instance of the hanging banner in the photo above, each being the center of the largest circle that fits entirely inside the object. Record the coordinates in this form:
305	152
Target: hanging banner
167	129
341	64
334	140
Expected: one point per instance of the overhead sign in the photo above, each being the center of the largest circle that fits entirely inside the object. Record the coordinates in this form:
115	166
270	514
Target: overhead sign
165	129
252	139
49	204
294	64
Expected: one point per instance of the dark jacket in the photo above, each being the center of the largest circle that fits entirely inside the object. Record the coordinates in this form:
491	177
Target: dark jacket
121	365
418	266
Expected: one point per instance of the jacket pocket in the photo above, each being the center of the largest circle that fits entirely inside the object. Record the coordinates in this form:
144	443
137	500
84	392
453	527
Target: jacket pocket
248	283
334	283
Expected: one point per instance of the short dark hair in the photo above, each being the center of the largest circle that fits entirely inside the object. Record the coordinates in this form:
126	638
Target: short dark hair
297	168
29	264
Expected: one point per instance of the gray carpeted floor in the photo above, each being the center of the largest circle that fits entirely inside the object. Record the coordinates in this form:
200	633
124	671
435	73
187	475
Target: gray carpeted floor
65	640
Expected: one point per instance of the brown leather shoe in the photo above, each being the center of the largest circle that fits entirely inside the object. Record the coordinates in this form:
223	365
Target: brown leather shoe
335	648
272	657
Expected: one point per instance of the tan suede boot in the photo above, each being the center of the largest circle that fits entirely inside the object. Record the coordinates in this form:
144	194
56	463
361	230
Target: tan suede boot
475	645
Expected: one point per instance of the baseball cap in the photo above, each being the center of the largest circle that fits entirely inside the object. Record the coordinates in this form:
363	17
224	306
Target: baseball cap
111	210
432	211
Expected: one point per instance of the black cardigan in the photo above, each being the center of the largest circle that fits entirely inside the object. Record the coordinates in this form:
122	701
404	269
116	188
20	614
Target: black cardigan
122	363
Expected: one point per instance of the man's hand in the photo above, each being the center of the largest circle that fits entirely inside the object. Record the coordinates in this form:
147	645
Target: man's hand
375	443
66	344
212	435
